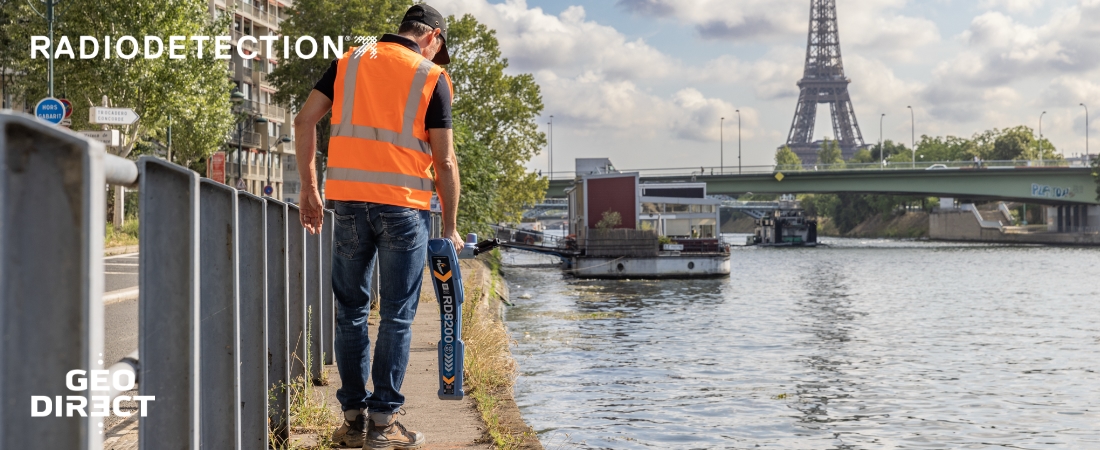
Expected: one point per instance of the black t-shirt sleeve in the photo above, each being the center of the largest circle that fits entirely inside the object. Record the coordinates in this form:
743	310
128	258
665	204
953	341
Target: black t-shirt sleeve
327	84
439	107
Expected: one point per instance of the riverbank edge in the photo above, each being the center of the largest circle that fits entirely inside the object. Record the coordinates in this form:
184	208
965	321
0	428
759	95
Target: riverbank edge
490	366
910	225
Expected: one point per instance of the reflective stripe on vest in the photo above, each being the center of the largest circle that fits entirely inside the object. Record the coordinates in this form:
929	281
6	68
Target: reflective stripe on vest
404	140
390	178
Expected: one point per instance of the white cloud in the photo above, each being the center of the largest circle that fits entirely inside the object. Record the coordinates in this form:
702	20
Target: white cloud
869	28
866	25
773	76
568	43
1014	6
722	19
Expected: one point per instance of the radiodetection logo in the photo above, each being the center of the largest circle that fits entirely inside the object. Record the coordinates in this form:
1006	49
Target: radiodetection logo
94	405
184	47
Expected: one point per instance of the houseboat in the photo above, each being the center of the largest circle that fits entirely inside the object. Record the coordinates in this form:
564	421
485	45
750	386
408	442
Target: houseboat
621	228
785	228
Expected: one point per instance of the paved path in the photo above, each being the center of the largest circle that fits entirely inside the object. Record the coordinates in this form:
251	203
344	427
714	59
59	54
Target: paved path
446	424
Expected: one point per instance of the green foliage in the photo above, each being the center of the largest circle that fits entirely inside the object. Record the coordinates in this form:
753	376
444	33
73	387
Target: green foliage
891	149
862	156
294	78
610	219
830	153
662	240
1017	143
787	160
193	91
496	113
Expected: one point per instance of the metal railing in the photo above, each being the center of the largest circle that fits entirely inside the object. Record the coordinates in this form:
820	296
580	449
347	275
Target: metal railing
810	167
235	297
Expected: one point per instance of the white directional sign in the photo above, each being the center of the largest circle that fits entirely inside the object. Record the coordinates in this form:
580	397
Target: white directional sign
107	137
112	116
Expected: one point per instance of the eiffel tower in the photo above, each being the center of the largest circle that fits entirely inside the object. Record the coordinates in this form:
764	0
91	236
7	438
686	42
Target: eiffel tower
823	81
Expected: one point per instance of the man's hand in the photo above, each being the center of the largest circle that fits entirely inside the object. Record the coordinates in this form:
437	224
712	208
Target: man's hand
455	238
311	211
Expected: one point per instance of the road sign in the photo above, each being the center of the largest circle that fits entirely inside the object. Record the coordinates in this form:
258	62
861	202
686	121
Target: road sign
241	185
215	167
67	122
268	190
107	137
50	109
112	116
68	107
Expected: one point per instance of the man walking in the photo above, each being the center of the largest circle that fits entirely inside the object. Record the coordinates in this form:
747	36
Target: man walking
391	128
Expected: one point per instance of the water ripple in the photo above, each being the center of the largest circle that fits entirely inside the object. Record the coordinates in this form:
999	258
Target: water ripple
856	345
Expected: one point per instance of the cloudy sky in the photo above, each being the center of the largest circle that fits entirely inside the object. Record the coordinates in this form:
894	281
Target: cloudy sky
644	82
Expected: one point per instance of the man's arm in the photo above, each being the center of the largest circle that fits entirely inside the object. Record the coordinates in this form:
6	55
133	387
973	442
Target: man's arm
305	146
447	184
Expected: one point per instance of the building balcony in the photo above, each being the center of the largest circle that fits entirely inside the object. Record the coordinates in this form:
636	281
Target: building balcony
237	35
268	17
248	139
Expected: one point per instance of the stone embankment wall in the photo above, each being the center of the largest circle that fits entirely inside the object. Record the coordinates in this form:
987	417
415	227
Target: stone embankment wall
958	225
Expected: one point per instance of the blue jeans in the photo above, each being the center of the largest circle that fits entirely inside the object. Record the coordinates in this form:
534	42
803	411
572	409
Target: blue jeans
399	237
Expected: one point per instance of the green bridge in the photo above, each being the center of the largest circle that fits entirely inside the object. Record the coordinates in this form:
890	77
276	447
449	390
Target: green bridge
1043	185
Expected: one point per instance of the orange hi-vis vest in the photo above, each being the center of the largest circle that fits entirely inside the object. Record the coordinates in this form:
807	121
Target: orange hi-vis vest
379	150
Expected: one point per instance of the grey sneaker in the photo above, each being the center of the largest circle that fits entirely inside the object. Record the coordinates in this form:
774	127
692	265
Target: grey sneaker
351	433
384	432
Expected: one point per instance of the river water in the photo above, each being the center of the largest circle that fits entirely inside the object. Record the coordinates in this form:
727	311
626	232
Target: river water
859	344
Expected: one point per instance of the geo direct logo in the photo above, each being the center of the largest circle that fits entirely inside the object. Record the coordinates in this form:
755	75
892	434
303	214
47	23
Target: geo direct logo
99	405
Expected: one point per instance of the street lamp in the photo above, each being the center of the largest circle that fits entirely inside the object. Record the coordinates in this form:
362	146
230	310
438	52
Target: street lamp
738	141
881	147
1086	132
238	98
1041	138
550	154
282	140
721	145
913	134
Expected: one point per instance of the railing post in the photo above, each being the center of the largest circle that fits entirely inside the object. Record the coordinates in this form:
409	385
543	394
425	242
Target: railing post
327	303
169	304
252	234
313	307
278	350
51	310
296	289
219	313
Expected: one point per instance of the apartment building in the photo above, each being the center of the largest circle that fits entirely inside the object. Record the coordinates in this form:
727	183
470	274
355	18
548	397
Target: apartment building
267	137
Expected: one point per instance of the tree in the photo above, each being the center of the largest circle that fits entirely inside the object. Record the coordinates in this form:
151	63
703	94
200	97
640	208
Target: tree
497	114
862	156
195	92
830	153
785	159
294	78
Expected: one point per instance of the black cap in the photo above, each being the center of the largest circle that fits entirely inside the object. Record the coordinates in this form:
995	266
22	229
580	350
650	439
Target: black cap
429	16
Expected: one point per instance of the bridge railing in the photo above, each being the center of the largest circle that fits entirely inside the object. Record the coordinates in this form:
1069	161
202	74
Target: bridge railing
706	171
235	300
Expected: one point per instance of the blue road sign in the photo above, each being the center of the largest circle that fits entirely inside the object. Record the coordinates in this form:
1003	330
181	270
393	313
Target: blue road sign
268	190
50	109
